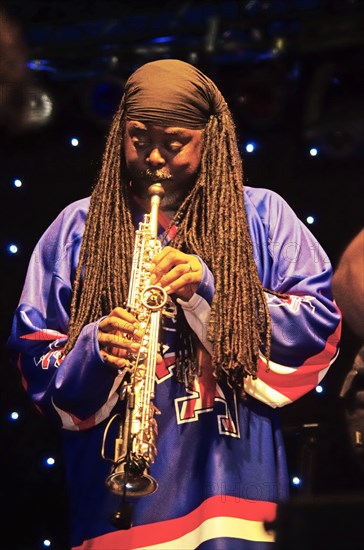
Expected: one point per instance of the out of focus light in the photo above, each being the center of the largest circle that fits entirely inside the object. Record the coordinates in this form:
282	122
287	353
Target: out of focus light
296	480
310	219
17	183
313	152
47	543
319	389
250	147
74	142
14	415
12	248
50	461
40	107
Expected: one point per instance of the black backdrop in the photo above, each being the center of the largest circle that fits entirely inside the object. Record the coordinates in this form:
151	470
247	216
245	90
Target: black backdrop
328	186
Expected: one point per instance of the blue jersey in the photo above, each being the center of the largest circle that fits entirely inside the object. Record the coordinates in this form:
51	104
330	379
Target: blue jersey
220	466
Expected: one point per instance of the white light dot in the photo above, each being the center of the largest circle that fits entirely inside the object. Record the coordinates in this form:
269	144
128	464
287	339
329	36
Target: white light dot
313	152
74	142
296	480
12	248
310	219
319	389
50	461
47	543
250	147
14	415
17	183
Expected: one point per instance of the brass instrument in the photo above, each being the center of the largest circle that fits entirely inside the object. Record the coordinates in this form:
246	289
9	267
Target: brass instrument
135	446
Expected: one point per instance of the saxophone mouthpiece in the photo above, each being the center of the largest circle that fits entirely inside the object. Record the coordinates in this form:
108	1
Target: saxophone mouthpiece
156	189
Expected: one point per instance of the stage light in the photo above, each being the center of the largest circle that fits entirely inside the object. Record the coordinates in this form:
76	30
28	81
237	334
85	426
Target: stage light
313	152
74	142
49	461
310	220
296	481
162	39
12	248
17	183
319	389
14	415
40	107
47	543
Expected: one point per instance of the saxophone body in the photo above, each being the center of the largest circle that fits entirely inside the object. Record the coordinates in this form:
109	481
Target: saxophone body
135	446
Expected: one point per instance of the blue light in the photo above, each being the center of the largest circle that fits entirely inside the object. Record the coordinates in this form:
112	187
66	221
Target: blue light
313	152
162	39
74	142
310	220
250	147
12	248
296	480
17	183
319	389
14	415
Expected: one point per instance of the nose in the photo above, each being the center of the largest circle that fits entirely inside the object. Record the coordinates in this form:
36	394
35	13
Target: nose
155	158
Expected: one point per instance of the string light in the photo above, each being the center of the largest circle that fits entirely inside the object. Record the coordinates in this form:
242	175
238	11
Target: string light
50	461
12	248
250	147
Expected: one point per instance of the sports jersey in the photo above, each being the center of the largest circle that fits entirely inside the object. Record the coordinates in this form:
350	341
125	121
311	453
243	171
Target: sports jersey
221	465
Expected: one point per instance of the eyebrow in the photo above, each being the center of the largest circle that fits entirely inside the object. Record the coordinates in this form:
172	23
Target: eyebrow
136	126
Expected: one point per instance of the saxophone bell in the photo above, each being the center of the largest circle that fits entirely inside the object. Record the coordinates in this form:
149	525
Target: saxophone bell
127	480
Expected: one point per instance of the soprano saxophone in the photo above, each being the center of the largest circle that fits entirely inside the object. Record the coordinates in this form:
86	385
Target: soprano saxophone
135	446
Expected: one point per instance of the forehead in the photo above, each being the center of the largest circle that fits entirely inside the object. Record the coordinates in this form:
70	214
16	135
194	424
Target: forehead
138	126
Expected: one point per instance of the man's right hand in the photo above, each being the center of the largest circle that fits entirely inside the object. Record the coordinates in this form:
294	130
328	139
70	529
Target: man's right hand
119	336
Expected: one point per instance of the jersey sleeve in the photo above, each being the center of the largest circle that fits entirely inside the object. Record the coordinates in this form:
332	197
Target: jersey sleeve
78	390
306	323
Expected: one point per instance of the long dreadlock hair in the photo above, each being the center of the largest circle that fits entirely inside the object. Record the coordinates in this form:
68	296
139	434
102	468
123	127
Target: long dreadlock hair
211	223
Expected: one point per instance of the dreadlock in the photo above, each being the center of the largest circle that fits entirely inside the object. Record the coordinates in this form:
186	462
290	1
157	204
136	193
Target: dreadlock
211	223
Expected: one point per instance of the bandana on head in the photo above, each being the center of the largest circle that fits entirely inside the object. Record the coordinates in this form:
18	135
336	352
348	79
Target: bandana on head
170	92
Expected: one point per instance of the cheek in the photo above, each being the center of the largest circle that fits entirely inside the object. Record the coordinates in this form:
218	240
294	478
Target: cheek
131	157
190	161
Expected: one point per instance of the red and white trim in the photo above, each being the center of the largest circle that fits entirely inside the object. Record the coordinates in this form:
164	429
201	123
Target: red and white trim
217	517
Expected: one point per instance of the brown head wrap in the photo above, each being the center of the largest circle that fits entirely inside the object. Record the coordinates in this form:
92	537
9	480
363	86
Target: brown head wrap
170	92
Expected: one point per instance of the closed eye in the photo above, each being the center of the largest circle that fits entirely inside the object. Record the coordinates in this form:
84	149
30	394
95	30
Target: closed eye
140	141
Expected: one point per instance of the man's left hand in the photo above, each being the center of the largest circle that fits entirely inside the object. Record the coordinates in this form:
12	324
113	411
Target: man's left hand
178	273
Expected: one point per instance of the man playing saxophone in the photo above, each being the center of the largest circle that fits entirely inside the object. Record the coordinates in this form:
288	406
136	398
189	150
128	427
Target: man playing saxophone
251	324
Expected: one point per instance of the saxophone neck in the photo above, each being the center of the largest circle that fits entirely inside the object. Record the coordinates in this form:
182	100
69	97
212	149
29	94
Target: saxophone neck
156	194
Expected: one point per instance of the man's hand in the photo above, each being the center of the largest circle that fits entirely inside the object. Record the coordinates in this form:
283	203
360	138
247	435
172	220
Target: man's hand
119	336
176	272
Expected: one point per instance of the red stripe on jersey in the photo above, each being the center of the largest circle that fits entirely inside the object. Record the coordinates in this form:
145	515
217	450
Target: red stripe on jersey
164	531
45	334
305	377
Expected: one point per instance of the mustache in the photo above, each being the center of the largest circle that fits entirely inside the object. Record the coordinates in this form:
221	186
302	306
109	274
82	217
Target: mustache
154	176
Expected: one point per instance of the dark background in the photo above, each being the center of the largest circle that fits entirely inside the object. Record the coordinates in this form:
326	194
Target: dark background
293	74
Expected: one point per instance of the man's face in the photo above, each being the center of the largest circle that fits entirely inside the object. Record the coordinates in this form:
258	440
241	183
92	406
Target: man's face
162	154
